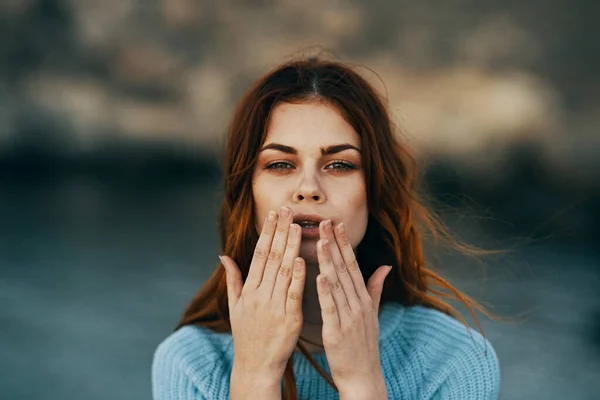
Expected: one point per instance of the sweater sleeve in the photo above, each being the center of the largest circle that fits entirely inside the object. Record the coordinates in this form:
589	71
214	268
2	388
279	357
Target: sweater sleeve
169	378
475	375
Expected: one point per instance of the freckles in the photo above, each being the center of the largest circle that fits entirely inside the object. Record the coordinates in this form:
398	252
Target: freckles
357	198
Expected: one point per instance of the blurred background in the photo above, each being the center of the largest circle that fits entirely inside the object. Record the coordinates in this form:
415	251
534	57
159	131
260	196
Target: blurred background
112	115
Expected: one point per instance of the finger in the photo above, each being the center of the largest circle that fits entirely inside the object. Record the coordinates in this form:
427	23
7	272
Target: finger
276	253
351	262
261	252
326	231
234	281
284	276
326	267
293	304
329	312
375	285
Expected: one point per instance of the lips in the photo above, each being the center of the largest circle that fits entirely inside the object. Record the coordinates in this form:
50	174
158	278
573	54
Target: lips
308	219
309	224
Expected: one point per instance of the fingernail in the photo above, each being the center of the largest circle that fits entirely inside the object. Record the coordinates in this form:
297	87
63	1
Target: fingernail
324	243
327	224
271	216
285	212
340	227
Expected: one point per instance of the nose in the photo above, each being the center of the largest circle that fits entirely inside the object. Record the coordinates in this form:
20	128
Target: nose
309	190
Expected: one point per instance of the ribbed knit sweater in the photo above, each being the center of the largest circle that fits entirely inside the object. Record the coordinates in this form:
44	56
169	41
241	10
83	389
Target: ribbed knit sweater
424	354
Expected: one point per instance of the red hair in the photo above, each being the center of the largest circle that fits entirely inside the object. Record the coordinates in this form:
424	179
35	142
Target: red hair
397	216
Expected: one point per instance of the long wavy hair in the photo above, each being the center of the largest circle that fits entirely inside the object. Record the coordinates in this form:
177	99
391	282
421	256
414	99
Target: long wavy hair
397	215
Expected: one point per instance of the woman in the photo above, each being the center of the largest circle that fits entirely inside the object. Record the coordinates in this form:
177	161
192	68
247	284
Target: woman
323	289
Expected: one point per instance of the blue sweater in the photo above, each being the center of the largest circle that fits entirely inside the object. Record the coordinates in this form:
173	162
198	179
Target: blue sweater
425	354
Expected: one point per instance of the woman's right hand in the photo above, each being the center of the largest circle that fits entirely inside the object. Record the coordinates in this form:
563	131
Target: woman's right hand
266	311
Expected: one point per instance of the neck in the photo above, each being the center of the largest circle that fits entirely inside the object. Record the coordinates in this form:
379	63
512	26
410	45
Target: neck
311	310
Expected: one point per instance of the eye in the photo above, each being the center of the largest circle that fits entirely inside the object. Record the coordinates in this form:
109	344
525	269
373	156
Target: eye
340	166
279	165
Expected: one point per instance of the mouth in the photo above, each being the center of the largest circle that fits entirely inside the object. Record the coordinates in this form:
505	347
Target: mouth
309	224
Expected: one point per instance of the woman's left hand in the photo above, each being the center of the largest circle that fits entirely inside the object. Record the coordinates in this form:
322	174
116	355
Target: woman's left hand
350	316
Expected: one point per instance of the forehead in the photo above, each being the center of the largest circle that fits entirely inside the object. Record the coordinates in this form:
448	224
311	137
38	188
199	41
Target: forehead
309	125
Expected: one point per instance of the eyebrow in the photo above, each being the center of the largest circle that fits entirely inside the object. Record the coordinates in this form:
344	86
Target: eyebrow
335	148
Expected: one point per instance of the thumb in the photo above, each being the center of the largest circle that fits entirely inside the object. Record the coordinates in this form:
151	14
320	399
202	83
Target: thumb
234	281
375	284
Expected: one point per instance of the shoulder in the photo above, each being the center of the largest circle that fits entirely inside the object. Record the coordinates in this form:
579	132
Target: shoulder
188	347
457	361
420	327
426	327
188	361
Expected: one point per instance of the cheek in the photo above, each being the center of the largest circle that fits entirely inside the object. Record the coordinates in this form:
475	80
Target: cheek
356	231
266	197
357	216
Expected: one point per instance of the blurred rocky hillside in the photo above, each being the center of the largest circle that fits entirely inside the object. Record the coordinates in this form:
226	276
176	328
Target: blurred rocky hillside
494	90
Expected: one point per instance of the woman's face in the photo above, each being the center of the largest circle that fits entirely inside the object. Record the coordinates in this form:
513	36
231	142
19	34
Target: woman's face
311	163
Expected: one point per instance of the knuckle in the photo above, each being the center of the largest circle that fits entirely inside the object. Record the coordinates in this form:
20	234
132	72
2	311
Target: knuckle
337	338
274	309
337	285
297	322
357	313
294	323
294	295
251	300
345	241
346	308
348	327
353	265
342	267
260	254
275	255
263	301
285	271
330	310
281	228
267	232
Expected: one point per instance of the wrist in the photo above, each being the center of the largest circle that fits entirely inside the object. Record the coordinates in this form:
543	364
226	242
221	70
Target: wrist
370	388
244	380
265	374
